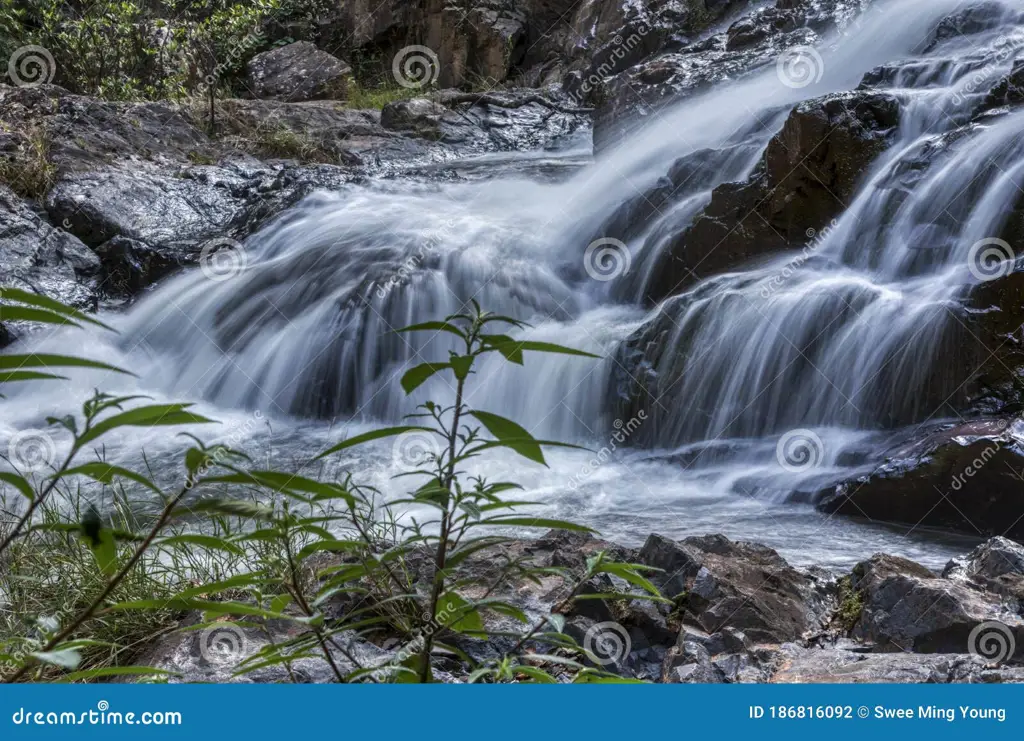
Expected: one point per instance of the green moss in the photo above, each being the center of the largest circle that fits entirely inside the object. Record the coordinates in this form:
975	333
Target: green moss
851	605
378	97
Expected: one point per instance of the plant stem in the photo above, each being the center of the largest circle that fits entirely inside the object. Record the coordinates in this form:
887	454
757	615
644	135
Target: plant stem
95	605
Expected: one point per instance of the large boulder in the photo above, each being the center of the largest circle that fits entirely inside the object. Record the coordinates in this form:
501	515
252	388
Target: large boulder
965	478
298	71
908	608
37	257
746	586
809	172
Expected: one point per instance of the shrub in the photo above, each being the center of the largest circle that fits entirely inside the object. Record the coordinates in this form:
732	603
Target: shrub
281	545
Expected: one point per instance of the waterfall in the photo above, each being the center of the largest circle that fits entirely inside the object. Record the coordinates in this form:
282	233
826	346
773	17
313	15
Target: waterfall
837	338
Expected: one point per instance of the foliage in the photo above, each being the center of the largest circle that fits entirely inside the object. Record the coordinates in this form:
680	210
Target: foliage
319	552
28	170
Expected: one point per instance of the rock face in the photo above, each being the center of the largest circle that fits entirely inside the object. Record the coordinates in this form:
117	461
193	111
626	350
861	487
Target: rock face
965	478
37	257
808	173
298	71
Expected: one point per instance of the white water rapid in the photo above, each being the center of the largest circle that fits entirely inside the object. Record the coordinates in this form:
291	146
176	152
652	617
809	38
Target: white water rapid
300	339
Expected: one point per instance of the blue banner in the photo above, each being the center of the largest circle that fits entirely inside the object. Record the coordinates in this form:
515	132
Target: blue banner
510	712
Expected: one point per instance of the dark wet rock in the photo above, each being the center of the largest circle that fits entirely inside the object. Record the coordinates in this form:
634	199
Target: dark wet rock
838	666
82	133
739	585
418	116
964	478
908	608
809	172
37	257
172	213
694	51
298	71
997	566
1009	91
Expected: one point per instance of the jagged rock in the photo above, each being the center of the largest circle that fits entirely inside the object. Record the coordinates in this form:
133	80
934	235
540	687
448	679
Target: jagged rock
809	172
814	666
997	565
964	478
740	585
37	257
419	116
82	133
908	608
298	71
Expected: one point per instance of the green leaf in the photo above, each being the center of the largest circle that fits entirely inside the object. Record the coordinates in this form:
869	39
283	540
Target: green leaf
415	377
105	473
285	483
9	313
20	483
35	299
509	347
13	376
148	416
230	507
544	522
115	671
235	582
591	676
43	360
511	435
537	675
329	546
434	327
372	435
455	613
629	573
209	542
461	365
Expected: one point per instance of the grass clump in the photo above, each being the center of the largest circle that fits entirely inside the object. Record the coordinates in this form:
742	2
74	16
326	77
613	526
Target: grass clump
28	170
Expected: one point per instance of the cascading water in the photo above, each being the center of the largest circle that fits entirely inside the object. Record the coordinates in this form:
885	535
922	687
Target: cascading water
304	330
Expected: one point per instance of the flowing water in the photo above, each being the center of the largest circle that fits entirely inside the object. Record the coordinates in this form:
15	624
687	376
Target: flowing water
293	347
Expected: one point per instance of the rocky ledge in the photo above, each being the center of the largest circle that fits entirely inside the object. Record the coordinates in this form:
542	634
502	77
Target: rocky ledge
739	613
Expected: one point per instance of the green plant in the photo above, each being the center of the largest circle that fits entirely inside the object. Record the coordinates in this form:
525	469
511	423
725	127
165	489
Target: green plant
279	545
28	170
